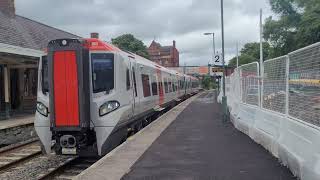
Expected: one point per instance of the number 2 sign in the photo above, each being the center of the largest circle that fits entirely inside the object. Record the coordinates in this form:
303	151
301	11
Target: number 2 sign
217	60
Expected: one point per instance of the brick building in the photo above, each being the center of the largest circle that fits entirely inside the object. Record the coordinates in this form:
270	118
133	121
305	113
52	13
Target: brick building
22	42
167	56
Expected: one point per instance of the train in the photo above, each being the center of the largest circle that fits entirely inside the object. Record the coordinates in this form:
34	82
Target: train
92	95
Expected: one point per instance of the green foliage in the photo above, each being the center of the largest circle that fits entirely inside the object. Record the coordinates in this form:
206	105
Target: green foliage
243	59
129	43
309	29
297	25
251	53
207	82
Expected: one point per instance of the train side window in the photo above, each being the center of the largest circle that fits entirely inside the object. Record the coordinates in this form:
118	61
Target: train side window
146	85
154	86
173	87
165	85
170	86
128	79
160	86
134	81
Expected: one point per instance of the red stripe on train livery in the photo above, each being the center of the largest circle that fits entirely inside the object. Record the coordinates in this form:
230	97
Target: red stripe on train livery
66	99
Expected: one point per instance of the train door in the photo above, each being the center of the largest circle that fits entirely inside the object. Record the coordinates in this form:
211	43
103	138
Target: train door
160	86
135	97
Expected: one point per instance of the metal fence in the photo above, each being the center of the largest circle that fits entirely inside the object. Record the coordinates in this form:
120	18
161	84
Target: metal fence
274	84
304	84
289	85
250	88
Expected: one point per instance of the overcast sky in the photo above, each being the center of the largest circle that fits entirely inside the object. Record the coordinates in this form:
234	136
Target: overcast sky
165	20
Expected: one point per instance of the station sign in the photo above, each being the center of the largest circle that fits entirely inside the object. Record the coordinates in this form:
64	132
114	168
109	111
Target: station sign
216	71
217	60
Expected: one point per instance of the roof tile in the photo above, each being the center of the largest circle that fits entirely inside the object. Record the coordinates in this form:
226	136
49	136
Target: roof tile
24	32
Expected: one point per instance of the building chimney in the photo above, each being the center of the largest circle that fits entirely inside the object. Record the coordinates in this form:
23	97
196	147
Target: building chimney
94	35
7	7
174	43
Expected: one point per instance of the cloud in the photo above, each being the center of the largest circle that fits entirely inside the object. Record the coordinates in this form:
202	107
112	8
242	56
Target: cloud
182	20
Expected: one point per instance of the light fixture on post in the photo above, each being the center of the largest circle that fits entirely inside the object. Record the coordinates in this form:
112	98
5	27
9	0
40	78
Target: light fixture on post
213	48
213	42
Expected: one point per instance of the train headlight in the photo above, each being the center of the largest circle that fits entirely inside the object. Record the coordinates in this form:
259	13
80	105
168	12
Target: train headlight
108	107
42	109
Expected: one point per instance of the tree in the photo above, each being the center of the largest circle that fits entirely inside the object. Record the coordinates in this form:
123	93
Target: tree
207	82
298	25
309	27
243	59
251	53
128	42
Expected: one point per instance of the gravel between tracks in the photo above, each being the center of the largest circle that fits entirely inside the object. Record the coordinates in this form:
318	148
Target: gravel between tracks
34	168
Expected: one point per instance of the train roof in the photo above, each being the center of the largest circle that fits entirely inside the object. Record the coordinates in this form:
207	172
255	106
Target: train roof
98	45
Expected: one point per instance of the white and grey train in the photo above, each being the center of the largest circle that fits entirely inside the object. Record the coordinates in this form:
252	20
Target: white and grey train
91	94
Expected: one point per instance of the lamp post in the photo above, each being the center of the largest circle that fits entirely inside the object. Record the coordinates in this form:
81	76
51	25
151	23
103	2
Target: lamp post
224	97
237	54
213	42
213	48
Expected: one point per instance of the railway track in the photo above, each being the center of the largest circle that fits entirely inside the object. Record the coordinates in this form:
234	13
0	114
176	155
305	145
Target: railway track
68	170
17	158
17	153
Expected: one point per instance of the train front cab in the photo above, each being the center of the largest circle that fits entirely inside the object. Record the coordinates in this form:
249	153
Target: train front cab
63	97
78	97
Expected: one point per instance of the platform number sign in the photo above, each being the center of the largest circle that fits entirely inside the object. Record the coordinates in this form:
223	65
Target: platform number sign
217	60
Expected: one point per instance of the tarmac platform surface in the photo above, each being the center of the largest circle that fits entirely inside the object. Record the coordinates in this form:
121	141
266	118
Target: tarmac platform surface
196	145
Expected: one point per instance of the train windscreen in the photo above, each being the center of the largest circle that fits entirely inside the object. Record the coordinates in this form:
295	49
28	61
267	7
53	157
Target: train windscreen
102	72
44	74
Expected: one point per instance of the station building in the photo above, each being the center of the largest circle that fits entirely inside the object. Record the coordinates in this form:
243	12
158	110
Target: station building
167	56
22	43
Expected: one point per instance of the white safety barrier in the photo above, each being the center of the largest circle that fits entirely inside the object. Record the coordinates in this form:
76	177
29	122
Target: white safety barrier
280	109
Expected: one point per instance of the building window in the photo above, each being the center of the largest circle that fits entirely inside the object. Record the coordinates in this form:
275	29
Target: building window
146	85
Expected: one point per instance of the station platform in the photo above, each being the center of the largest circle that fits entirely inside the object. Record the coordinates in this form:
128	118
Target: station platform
189	142
17	121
